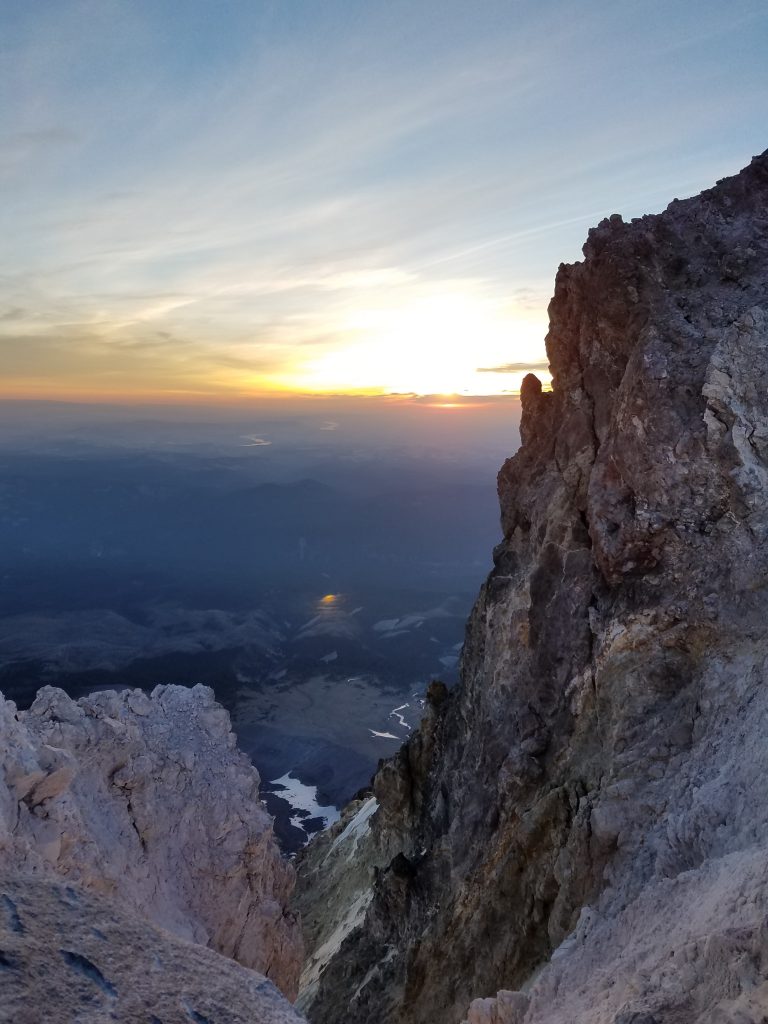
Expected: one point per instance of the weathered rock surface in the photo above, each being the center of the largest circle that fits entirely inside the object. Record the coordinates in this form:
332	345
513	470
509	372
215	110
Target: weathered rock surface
69	955
337	888
581	823
146	799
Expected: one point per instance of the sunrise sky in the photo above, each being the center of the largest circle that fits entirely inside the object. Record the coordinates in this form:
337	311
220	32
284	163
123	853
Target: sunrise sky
211	200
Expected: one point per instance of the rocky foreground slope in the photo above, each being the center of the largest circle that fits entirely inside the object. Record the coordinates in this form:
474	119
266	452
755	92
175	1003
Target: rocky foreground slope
145	808
70	955
582	822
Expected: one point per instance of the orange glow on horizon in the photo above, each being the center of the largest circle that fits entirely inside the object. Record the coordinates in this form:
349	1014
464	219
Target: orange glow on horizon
242	397
444	349
443	345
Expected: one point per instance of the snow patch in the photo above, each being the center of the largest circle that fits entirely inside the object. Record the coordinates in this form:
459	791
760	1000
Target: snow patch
396	713
303	800
356	828
385	625
353	917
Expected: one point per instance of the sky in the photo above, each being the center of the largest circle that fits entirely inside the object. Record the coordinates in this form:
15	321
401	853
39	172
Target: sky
213	201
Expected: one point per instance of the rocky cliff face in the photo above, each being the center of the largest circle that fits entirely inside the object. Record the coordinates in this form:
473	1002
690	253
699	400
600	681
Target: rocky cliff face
146	800
582	817
71	955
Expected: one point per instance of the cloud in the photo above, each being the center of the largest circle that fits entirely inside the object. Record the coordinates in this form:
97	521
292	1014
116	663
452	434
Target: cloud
448	401
16	313
515	368
42	137
246	195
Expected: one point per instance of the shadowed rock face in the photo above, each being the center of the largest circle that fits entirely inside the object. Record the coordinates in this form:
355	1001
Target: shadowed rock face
596	774
71	955
146	799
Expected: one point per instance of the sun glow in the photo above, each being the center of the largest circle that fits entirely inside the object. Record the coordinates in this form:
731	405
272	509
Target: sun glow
434	346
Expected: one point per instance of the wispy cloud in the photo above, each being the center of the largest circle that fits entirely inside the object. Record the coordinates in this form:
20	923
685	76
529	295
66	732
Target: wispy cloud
217	205
16	313
514	368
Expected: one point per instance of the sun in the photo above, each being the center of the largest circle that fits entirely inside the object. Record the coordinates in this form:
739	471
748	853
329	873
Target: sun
435	345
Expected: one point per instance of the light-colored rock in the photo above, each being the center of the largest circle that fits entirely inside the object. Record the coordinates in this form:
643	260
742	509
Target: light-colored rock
70	956
147	799
337	887
506	1008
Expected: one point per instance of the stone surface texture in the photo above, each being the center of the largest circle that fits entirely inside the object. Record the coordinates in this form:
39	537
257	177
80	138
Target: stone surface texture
71	956
147	800
579	831
337	888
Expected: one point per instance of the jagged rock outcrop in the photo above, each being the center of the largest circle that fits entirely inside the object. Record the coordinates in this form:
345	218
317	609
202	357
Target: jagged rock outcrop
146	799
580	823
70	955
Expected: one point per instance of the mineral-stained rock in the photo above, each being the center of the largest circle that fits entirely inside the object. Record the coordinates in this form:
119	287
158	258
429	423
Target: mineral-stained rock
146	799
583	815
70	955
